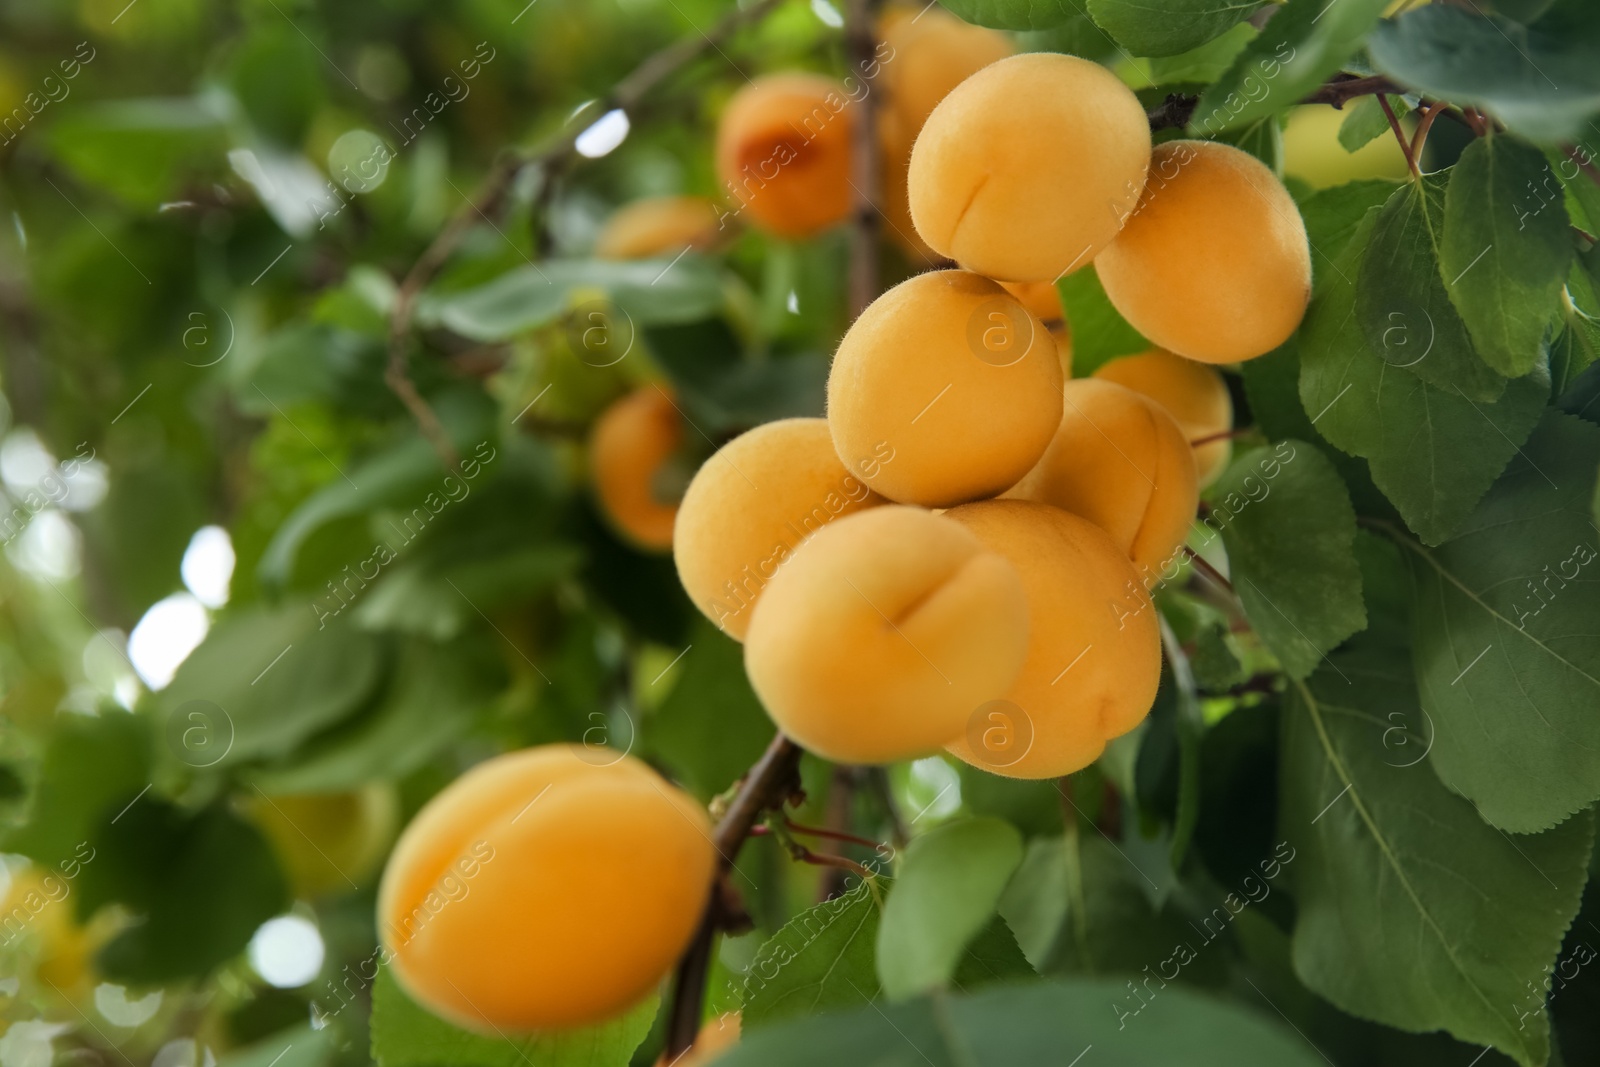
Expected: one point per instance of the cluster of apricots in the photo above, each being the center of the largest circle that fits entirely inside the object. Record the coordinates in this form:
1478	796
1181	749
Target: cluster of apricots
960	556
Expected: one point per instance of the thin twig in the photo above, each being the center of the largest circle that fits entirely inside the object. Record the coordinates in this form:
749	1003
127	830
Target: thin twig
860	47
1177	110
1204	566
1424	124
773	780
1399	135
486	202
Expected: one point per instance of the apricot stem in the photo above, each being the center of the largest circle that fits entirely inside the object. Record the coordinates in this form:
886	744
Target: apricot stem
1424	124
1204	566
1399	135
834	835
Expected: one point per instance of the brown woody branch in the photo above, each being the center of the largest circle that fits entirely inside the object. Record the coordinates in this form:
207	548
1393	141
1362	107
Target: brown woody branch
486	202
860	45
772	781
1178	109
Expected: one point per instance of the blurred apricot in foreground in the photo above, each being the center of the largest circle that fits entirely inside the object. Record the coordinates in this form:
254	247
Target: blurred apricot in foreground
1094	649
545	889
629	446
750	506
1194	394
878	638
783	153
1215	264
658	226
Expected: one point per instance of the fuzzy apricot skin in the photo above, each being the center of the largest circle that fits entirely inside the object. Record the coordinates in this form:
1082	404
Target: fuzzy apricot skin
545	889
1094	650
1027	169
658	226
1120	461
783	153
1215	264
925	52
1194	394
753	504
944	390
628	445
878	639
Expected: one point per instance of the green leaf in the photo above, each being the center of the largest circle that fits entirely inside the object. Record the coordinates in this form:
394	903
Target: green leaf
1201	65
266	680
993	956
1366	122
1411	910
439	592
437	694
1574	352
139	150
820	961
405	1035
1015	14
1332	217
1216	666
1402	302
1036	1023
297	1046
646	292
1540	81
711	727
1168	27
1303	43
1290	532
201	885
948	887
93	765
1505	251
1505	617
1099	332
1433	453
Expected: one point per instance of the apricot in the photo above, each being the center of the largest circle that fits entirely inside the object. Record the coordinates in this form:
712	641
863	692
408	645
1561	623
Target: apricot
1120	461
1214	265
629	446
928	52
545	889
948	374
876	640
329	842
1194	394
658	226
1027	169
1094	650
783	153
750	506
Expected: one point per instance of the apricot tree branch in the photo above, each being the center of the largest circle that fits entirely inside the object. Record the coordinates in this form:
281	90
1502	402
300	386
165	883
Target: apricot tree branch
861	46
1177	109
490	196
773	779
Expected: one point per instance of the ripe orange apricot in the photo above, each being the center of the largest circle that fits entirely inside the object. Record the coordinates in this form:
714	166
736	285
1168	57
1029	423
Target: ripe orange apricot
783	153
1214	265
658	226
953	378
545	889
880	635
1028	168
1094	650
1120	461
329	842
750	506
927	52
1194	394
628	446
